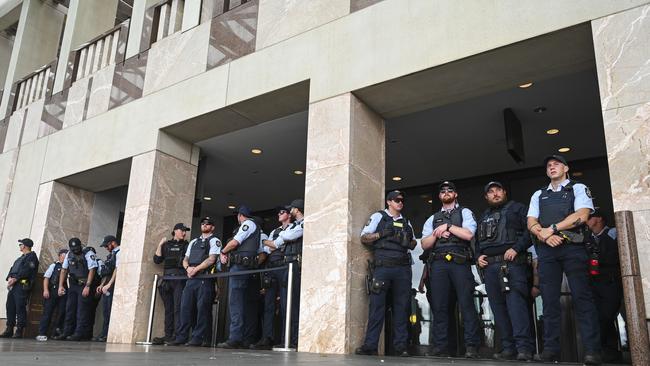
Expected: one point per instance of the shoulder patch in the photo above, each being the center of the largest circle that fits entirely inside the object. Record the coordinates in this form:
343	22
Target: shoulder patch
302	225
588	192
244	228
369	221
92	257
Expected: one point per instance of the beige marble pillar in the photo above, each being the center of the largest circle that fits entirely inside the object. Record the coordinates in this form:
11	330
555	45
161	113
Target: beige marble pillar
61	212
344	185
160	194
623	63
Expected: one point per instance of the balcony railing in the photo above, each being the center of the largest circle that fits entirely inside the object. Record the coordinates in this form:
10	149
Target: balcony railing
167	19
34	86
100	52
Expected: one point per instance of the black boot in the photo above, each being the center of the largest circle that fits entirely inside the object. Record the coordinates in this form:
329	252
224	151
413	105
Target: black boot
8	333
18	333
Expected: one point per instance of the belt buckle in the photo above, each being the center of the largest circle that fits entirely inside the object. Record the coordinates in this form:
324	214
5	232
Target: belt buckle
449	257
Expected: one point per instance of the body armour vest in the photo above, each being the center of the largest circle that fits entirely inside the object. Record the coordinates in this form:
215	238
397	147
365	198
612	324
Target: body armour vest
173	253
556	206
495	228
608	259
294	247
395	245
20	263
248	248
56	274
276	255
110	263
200	251
77	265
454	217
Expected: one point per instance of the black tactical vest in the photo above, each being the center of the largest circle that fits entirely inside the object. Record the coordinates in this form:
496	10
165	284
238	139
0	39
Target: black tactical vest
18	265
200	251
276	255
78	266
110	263
556	206
248	248
174	253
609	257
395	245
495	230
293	247
454	217
56	274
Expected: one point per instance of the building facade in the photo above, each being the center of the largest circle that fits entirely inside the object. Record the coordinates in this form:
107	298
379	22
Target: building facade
102	94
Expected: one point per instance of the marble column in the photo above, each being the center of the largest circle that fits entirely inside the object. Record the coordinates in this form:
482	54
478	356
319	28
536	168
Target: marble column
623	64
344	185
61	212
160	194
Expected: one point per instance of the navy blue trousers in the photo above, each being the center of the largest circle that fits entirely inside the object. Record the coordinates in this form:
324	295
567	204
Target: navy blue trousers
17	306
196	302
398	281
443	275
511	311
171	293
277	277
238	304
107	304
53	308
572	260
78	311
608	295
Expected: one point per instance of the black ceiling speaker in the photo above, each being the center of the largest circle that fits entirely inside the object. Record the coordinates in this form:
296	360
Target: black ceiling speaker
514	136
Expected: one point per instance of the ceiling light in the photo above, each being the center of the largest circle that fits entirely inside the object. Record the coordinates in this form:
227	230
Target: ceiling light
564	149
526	85
577	174
540	109
231	207
552	131
256	151
207	198
397	179
298	172
430	201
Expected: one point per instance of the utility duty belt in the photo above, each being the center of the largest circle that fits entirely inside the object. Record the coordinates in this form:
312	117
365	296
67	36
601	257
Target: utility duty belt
456	257
397	262
248	261
78	281
519	259
293	258
276	263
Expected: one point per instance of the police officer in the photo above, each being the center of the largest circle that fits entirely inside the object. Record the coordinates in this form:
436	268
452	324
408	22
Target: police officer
606	285
272	280
503	241
289	241
449	232
171	253
81	265
53	303
241	253
19	282
390	236
106	288
557	216
198	294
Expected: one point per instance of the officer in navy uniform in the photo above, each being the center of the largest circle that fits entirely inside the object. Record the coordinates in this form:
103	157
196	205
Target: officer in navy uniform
272	281
449	232
557	216
20	279
196	302
81	265
53	303
170	254
503	240
390	237
107	286
606	286
289	241
241	253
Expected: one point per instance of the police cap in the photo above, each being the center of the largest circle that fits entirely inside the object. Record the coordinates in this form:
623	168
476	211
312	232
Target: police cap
208	220
26	242
447	184
559	158
244	210
107	240
299	204
493	183
394	194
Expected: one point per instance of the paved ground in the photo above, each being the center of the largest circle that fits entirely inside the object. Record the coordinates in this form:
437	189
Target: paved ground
29	352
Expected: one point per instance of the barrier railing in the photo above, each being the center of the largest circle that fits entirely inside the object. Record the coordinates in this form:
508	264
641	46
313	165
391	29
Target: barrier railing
167	19
104	50
33	87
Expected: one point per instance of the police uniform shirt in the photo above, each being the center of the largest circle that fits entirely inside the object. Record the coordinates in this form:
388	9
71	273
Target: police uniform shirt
291	233
90	260
116	253
375	218
215	246
246	229
468	222
263	248
580	192
50	271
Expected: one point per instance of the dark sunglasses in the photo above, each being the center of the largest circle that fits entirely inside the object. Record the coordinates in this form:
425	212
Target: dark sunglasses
283	212
398	200
445	190
206	223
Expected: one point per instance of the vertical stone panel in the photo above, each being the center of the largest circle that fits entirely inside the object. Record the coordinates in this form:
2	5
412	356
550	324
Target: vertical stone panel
344	185
160	194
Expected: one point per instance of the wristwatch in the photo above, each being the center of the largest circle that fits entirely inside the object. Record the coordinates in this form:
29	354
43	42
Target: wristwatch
555	230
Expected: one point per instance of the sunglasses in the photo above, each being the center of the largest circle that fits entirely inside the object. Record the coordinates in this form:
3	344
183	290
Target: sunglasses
398	200
283	212
205	223
447	190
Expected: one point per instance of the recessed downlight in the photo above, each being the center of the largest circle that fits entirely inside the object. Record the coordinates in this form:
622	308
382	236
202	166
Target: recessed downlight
207	198
539	109
396	178
526	85
552	131
564	149
256	151
231	207
430	201
298	172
